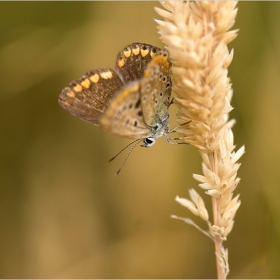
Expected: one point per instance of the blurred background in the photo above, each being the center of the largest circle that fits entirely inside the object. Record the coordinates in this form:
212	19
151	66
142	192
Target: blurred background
63	213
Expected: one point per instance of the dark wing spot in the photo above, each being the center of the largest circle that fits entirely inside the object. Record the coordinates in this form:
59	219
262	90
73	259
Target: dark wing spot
137	105
135	46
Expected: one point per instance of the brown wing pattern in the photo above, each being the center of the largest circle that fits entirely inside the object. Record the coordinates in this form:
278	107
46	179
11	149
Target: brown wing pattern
133	59
89	96
124	117
156	89
131	101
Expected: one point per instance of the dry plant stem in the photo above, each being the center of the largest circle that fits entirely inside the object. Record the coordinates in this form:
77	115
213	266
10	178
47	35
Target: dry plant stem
216	217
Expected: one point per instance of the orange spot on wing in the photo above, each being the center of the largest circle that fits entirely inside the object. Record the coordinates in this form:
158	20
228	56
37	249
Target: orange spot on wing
78	88
65	103
71	94
127	53
106	75
121	63
94	78
144	52
85	83
136	51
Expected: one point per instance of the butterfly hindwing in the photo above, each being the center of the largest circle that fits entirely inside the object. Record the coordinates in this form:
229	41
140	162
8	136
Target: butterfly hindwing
133	59
156	89
124	117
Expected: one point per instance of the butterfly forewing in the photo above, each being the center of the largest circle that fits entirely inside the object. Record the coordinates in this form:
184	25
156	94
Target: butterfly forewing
89	96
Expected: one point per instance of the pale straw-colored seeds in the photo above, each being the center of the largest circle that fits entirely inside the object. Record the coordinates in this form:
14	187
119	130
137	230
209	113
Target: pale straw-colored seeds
196	35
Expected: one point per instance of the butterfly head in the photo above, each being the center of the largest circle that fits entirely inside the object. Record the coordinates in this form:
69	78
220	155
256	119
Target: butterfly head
148	142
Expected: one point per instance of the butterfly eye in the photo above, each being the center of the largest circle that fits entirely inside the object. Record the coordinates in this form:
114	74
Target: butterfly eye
148	142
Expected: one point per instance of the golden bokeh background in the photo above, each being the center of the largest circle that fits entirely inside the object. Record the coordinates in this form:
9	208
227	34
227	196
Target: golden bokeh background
63	213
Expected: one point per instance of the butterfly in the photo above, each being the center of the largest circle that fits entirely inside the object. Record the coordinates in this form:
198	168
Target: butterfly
131	100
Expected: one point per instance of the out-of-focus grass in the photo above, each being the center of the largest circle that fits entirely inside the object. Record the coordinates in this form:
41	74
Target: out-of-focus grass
63	213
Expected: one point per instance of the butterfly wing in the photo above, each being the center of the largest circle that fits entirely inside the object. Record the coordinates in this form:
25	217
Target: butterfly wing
143	103
156	87
126	101
89	96
133	59
124	116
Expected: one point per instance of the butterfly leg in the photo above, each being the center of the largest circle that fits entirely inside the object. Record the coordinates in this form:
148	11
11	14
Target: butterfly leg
174	128
171	102
173	143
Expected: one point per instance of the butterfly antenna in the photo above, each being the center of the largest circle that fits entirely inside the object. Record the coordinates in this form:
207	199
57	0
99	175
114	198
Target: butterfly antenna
124	149
137	142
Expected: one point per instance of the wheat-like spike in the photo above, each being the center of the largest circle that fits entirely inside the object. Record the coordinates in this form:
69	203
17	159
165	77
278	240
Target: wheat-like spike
196	35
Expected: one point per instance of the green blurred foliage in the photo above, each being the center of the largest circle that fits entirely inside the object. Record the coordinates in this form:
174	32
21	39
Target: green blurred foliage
63	213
